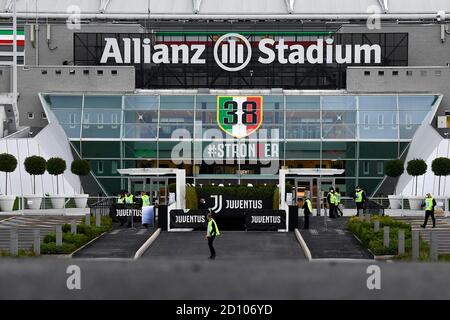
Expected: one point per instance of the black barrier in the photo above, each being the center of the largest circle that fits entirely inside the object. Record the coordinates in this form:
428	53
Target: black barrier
265	220
162	217
293	218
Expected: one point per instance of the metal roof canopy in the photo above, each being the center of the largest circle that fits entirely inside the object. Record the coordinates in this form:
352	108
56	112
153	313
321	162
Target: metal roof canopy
147	171
313	172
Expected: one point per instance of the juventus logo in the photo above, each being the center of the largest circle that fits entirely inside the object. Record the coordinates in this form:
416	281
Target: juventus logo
217	203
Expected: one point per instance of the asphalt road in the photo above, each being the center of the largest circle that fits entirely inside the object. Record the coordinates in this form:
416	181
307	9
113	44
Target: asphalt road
161	278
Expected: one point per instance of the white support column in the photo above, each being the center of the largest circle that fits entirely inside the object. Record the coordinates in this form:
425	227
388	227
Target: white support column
196	6
290	5
181	189
282	189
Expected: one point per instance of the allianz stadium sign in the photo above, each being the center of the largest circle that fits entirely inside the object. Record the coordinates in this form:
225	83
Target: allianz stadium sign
233	52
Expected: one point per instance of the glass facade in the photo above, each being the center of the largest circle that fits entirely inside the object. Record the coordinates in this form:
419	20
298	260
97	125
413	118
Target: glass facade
358	133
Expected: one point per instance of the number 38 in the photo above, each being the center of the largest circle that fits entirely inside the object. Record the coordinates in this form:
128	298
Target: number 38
249	113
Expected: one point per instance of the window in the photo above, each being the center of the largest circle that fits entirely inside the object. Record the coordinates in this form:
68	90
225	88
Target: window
30	115
114	120
380	167
86	72
100	120
100	166
100	72
366	167
438	73
380	121
43	71
58	72
366	121
367	73
114	72
72	120
44	116
72	72
408	121
394	121
114	167
381	73
86	121
395	73
409	73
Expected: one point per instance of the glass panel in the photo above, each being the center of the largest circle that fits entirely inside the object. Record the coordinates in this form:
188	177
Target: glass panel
100	149
416	102
60	101
141	130
72	131
378	103
101	131
140	149
141	102
105	102
302	150
338	103
338	150
378	150
339	131
302	103
177	102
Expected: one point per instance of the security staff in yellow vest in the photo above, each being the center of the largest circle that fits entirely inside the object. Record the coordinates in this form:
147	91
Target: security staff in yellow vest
307	210
430	203
129	200
211	232
360	198
121	198
331	200
338	202
145	199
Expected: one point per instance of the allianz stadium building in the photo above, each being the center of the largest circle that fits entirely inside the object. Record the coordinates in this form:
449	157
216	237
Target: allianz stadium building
230	90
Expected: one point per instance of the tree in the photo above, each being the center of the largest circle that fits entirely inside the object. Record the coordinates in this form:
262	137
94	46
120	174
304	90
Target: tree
395	168
80	168
440	167
35	166
8	163
56	166
415	168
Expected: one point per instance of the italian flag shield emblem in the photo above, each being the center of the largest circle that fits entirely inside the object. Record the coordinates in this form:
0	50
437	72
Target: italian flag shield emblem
239	116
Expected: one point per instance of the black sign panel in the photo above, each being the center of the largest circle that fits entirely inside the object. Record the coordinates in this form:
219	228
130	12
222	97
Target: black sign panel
121	212
192	219
267	220
228	203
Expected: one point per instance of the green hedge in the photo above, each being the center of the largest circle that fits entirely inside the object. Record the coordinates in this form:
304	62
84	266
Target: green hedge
373	241
191	198
71	242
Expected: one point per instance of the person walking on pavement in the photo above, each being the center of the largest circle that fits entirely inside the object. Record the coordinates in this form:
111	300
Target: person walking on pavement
307	207
129	201
430	203
338	203
211	232
360	199
331	200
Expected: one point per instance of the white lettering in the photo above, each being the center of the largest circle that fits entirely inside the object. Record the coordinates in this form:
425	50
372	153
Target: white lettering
111	51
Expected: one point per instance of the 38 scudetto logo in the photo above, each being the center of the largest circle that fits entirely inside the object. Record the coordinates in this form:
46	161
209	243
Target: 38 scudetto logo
233	52
239	116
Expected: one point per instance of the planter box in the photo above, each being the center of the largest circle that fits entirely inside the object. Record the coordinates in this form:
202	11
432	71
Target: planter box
415	203
57	201
7	203
81	200
33	201
395	202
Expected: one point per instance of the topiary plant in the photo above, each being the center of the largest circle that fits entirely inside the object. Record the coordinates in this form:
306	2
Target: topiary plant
56	166
35	166
415	168
8	163
440	167
394	168
80	168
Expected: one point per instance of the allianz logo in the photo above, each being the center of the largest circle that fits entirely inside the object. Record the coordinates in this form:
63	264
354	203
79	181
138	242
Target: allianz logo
233	52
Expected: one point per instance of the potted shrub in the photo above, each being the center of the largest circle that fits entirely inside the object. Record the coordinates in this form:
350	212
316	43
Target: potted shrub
80	168
441	167
394	169
35	166
416	168
8	163
55	167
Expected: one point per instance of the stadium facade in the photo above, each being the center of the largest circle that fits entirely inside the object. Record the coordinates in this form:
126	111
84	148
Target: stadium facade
230	91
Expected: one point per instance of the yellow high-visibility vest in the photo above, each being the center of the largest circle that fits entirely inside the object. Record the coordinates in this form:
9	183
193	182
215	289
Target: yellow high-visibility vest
429	204
359	196
210	227
145	200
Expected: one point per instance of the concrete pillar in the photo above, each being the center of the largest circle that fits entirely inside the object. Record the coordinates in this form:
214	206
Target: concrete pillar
73	227
386	236
376	225
37	242
98	220
434	246
401	241
59	235
14	242
415	245
368	217
87	219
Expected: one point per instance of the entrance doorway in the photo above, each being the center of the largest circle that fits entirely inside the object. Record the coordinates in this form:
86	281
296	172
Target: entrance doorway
157	188
316	187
